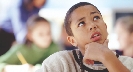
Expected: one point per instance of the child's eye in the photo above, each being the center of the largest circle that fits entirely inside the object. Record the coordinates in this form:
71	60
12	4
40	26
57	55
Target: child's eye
81	23
96	18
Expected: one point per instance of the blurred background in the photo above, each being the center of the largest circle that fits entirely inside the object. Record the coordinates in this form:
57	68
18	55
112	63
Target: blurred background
54	11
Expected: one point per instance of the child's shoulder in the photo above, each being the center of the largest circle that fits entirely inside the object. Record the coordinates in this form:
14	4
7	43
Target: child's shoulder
65	54
59	60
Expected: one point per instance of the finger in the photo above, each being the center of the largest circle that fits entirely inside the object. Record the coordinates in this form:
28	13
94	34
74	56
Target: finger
88	45
87	61
106	43
85	58
91	62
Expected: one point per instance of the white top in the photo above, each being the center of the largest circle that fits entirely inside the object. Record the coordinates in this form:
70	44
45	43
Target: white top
64	61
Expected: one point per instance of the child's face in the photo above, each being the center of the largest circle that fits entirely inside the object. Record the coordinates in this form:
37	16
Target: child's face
124	37
87	26
41	34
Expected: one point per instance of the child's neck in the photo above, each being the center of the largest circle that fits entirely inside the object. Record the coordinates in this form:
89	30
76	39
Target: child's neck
128	51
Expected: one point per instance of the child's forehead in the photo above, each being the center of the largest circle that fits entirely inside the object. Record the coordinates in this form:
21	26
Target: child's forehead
83	11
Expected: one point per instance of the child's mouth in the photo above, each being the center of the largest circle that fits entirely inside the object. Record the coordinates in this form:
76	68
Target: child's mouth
96	36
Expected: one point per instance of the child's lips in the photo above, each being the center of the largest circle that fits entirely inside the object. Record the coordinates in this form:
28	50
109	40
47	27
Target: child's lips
96	36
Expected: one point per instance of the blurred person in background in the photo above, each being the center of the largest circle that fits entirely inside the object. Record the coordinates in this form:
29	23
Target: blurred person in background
38	46
124	30
14	18
13	21
63	40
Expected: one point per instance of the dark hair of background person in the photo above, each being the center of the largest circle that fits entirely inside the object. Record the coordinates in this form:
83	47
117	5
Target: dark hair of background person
31	23
119	15
67	21
5	41
127	22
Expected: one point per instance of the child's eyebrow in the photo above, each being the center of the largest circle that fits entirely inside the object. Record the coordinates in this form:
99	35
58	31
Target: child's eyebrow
94	13
81	19
90	14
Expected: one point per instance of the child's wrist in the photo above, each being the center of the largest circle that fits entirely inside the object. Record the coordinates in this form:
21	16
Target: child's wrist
105	56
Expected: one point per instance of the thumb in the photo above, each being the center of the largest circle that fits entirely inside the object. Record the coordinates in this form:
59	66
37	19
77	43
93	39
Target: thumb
106	43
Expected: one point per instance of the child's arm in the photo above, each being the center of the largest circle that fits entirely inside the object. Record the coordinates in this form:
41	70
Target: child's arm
113	64
99	52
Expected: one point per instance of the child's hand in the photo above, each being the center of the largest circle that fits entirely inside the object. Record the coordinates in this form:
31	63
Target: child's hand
95	51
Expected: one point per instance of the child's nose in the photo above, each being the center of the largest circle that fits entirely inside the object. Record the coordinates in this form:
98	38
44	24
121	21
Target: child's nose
93	26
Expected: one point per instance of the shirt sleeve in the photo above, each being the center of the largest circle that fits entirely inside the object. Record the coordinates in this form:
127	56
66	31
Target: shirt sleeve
9	57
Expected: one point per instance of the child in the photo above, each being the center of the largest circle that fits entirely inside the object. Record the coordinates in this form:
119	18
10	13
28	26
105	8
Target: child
38	46
88	32
124	30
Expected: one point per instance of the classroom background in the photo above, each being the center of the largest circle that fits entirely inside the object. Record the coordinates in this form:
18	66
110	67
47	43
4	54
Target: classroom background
54	11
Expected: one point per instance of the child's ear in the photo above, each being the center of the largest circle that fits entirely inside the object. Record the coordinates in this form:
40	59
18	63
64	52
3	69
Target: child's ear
72	40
